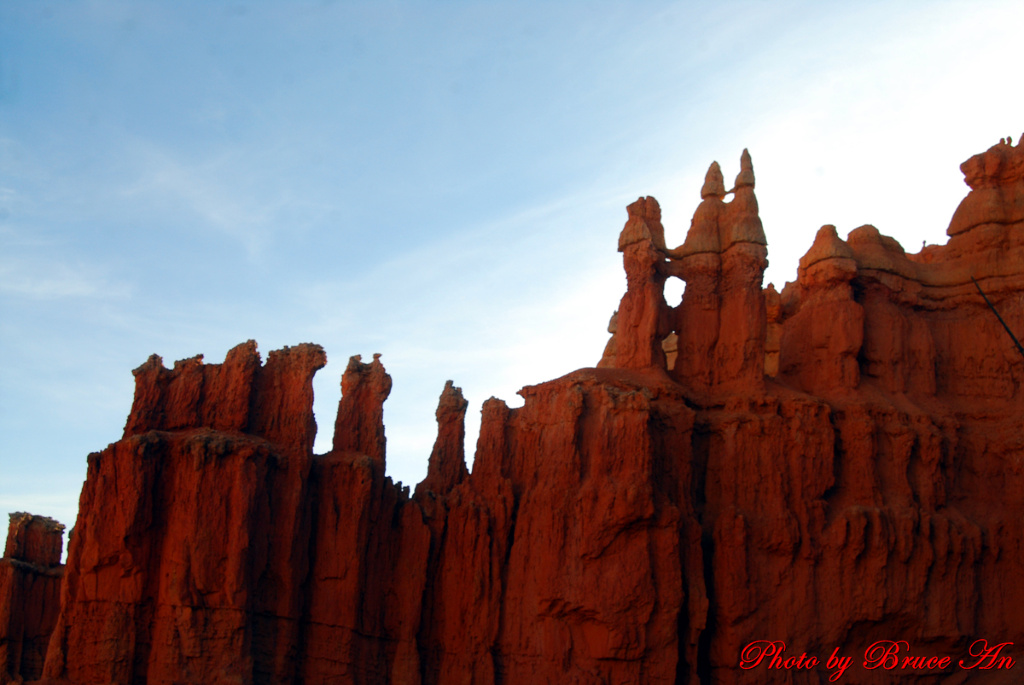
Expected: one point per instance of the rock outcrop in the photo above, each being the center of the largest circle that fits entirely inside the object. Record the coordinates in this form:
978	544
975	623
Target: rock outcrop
825	467
30	576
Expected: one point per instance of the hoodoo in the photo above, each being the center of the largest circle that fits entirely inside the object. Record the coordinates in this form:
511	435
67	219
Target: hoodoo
823	483
30	576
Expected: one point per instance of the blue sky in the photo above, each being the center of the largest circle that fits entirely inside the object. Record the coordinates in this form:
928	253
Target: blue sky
439	182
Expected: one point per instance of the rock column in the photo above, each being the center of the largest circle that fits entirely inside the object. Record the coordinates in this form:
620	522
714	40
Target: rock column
721	321
642	321
30	577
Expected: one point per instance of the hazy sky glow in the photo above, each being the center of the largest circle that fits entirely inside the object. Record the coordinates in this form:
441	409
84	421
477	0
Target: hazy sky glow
440	182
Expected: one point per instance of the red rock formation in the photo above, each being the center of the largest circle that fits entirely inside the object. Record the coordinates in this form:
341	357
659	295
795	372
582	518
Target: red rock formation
30	575
883	500
360	423
829	466
214	547
642	317
721	322
820	341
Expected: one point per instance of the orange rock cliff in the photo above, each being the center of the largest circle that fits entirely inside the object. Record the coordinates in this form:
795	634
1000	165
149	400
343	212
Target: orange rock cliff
828	467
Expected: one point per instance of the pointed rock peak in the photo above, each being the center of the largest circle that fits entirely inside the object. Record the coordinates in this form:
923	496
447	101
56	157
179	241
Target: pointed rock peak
360	423
826	232
644	223
714	183
304	358
827	245
282	401
742	223
154	363
371	375
447	465
493	406
869	235
863	235
243	353
772	303
491	448
451	401
645	208
746	175
1001	164
872	250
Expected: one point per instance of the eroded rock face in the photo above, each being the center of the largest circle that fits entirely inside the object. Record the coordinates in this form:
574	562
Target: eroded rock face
873	490
828	466
30	576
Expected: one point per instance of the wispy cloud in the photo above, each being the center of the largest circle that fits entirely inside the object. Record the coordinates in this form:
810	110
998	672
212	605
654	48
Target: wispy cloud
39	278
226	191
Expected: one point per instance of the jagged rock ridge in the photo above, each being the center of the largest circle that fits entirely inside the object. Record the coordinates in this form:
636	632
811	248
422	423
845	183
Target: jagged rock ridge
828	466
